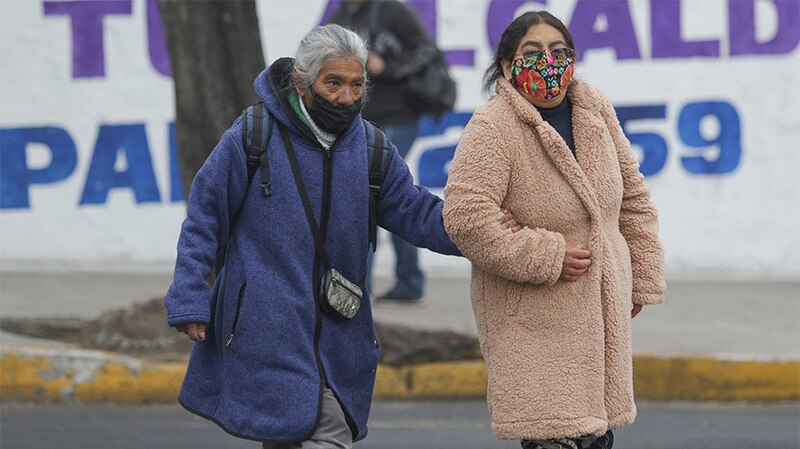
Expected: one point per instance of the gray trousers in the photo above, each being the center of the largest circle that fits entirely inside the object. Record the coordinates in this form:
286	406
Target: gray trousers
332	431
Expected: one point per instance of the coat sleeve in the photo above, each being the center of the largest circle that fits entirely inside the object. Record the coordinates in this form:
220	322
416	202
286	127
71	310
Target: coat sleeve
474	195
411	211
216	194
638	220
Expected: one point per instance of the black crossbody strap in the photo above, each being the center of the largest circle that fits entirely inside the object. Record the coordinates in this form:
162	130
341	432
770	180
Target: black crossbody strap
301	187
375	146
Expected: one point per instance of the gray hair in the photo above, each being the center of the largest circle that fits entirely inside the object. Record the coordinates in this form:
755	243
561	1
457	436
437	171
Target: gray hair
323	43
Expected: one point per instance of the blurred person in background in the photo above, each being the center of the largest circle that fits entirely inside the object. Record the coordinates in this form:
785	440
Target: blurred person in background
399	47
554	301
271	363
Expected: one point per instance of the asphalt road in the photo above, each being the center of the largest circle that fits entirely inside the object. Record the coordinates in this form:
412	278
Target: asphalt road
393	425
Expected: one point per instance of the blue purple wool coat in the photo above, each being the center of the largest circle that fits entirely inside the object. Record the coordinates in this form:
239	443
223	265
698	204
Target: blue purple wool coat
266	385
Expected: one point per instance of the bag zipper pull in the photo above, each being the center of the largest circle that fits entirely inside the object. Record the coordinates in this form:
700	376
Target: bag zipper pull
230	340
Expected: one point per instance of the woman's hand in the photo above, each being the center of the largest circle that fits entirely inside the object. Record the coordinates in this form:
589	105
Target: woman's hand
509	222
195	331
576	261
636	309
375	64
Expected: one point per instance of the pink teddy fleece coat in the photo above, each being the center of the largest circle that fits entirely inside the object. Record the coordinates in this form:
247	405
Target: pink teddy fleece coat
558	353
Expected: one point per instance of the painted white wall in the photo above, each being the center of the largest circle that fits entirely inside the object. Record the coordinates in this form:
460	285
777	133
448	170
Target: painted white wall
740	224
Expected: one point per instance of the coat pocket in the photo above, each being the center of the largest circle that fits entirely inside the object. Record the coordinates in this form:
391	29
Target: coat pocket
239	301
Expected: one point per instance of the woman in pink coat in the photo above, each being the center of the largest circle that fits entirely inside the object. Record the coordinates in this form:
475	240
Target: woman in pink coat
554	301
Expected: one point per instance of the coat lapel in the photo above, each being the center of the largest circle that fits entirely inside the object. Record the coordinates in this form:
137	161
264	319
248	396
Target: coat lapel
584	128
588	130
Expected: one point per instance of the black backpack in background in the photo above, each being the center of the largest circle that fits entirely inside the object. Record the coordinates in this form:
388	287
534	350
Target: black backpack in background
431	90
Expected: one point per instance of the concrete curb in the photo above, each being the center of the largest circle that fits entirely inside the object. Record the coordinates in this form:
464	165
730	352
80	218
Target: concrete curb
38	374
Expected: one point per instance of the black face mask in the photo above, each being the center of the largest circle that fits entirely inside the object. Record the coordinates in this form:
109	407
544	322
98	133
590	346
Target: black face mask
331	118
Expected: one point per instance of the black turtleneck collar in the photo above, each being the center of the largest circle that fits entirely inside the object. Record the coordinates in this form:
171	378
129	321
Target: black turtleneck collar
560	118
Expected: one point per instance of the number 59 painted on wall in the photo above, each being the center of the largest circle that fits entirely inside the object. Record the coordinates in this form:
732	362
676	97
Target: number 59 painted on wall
716	155
713	155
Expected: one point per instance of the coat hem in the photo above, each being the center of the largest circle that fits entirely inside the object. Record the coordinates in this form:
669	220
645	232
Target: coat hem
241	435
550	428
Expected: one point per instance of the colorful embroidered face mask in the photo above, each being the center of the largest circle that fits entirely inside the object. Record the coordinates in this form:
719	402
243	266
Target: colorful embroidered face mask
543	74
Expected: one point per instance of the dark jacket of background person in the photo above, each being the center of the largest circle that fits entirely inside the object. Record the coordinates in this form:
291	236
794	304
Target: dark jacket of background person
266	384
402	41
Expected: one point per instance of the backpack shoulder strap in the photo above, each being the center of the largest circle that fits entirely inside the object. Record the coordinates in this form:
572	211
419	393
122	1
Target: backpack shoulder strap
379	156
255	120
256	130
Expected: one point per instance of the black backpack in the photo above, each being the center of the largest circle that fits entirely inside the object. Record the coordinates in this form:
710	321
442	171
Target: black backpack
431	90
256	129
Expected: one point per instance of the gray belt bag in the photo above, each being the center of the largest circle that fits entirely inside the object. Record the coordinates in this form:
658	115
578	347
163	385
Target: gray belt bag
337	294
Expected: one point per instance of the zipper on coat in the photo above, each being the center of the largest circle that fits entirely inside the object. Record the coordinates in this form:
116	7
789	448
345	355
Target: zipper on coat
327	189
327	180
239	301
327	167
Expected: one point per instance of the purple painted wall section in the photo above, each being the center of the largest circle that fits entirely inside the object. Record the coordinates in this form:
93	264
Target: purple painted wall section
426	11
501	14
156	42
330	7
741	16
665	29
464	58
88	58
88	55
665	18
619	35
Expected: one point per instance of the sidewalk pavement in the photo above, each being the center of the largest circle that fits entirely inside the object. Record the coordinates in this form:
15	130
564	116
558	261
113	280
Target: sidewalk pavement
710	340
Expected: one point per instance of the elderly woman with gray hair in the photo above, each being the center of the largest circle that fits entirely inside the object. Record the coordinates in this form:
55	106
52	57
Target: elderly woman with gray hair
300	371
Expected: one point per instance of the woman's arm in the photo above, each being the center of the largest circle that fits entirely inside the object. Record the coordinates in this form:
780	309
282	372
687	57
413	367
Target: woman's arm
474	195
638	220
411	211
216	194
